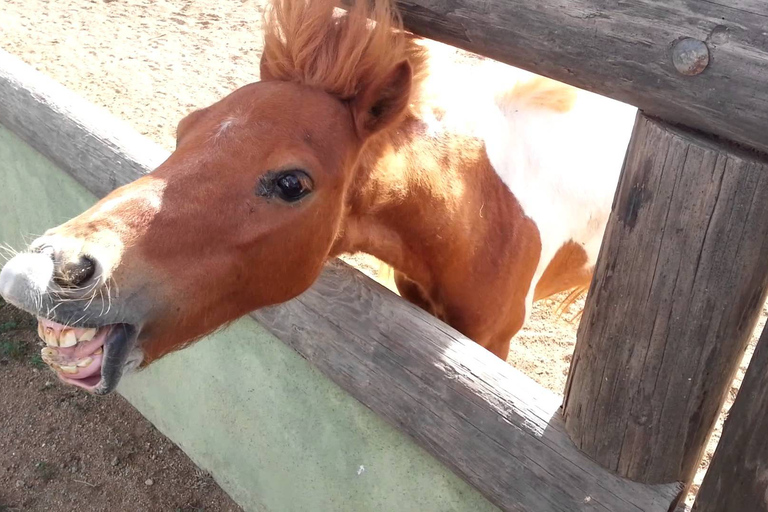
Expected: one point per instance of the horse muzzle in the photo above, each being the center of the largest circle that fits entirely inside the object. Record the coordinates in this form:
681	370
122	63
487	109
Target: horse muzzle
88	340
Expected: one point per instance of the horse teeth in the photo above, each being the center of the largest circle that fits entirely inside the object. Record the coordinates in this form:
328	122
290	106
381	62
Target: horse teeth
85	362
87	335
66	368
99	351
40	331
48	355
50	338
68	338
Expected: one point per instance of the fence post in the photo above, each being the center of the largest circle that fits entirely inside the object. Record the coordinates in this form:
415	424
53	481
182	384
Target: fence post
677	291
737	478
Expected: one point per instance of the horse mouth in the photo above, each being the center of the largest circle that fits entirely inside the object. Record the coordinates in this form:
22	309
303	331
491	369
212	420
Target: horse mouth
91	358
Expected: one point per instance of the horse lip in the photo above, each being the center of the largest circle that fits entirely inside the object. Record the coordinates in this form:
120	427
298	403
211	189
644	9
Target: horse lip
117	347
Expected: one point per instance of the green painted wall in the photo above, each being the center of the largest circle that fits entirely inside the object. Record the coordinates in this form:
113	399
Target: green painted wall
276	434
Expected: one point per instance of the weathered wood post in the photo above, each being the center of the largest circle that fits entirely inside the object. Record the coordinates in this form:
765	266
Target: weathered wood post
737	478
678	287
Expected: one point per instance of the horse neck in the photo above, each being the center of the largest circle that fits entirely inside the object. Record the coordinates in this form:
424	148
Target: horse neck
420	200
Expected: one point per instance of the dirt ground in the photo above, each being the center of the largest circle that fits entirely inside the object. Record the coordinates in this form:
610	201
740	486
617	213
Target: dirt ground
63	450
151	62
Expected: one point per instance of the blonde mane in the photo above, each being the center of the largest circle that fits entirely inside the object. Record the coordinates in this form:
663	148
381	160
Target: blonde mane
306	41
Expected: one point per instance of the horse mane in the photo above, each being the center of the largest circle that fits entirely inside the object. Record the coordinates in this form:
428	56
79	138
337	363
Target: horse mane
307	42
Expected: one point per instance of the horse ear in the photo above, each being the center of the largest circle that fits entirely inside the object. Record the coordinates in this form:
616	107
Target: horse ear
187	122
382	103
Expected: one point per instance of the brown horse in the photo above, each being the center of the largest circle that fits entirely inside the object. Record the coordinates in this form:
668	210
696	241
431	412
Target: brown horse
482	202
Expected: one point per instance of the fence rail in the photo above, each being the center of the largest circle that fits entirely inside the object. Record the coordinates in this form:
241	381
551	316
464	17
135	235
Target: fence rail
643	52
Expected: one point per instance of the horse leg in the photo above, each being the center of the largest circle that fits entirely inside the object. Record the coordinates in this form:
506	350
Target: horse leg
413	292
499	347
487	327
476	317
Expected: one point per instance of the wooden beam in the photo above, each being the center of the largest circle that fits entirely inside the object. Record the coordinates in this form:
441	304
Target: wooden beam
679	285
485	420
491	424
99	150
736	478
629	51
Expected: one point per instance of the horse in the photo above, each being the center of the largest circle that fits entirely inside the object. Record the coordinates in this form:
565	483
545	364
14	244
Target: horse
481	200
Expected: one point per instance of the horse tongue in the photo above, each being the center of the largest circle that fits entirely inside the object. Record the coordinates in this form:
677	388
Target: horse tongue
90	366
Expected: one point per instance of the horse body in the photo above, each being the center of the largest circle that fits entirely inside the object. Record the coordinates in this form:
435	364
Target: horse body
487	199
563	167
482	198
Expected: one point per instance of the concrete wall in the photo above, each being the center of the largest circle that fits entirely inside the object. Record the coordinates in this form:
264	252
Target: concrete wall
276	434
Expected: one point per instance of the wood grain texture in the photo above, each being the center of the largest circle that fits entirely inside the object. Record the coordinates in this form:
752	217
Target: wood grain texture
487	421
737	477
678	288
98	150
624	50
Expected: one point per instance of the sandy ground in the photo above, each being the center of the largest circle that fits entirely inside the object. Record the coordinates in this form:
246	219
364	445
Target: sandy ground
151	62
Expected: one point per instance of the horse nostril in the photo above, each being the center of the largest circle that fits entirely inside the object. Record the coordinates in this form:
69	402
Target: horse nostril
76	273
45	249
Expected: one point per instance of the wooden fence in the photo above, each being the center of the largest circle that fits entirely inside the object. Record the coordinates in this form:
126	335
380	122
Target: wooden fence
682	273
679	285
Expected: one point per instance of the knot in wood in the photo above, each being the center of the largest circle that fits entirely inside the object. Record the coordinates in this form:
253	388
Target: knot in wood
690	56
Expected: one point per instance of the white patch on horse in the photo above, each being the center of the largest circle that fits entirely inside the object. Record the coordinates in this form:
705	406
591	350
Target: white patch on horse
150	199
432	125
563	167
225	125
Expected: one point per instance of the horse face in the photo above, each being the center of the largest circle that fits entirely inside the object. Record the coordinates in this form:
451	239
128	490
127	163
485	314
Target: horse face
242	215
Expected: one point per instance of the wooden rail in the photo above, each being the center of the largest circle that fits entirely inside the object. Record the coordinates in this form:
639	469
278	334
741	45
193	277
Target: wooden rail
644	52
491	424
101	151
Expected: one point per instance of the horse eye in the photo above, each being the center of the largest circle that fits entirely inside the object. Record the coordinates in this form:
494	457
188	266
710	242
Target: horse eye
293	185
290	186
